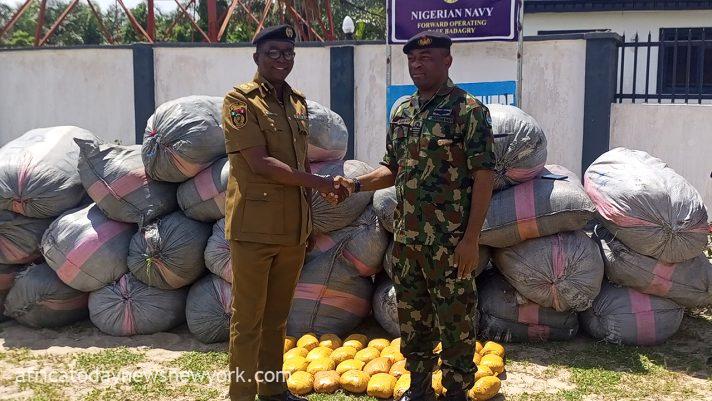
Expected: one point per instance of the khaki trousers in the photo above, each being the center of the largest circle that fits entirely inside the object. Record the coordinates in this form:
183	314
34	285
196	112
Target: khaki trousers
263	281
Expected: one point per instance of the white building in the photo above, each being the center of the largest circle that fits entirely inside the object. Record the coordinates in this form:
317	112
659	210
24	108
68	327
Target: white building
682	24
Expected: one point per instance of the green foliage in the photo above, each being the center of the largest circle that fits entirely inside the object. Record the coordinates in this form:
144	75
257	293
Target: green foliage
81	26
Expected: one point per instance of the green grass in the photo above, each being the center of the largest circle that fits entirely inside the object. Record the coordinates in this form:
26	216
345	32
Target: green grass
43	391
201	361
109	360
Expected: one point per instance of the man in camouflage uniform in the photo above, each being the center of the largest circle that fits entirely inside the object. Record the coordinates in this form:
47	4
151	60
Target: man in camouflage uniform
439	155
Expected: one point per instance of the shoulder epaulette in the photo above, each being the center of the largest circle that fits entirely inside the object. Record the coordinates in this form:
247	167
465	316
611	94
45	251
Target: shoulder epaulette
247	87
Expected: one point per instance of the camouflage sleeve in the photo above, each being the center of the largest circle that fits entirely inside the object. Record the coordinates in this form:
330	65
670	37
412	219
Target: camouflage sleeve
479	141
240	124
389	159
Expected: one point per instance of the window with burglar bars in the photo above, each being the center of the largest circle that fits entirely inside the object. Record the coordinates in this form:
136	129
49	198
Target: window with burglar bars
675	69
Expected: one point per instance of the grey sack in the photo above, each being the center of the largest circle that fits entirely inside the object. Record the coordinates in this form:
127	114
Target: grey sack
115	178
38	172
40	299
183	137
209	308
20	237
202	197
688	283
128	307
168	253
87	249
647	205
506	316
519	145
623	315
328	136
535	209
562	271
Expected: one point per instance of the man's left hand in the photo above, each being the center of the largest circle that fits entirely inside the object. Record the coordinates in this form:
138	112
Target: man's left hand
467	257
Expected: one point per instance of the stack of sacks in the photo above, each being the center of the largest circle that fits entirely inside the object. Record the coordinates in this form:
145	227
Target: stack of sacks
334	291
519	146
168	253
217	253
183	137
87	249
115	178
328	136
38	182
208	309
508	317
128	307
327	217
562	271
655	234
7	278
202	197
40	299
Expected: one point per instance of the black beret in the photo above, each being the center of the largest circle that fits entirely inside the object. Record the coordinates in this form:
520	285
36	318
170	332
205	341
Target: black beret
282	33
428	40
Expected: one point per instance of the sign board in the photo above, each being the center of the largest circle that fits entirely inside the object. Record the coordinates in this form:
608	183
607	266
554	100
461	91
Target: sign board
462	20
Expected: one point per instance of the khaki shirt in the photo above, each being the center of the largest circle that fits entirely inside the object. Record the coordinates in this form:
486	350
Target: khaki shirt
258	209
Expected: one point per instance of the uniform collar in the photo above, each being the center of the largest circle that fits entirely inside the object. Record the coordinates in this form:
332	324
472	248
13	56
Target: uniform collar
444	90
267	87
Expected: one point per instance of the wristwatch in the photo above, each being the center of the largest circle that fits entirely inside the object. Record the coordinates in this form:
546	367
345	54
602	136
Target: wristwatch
357	185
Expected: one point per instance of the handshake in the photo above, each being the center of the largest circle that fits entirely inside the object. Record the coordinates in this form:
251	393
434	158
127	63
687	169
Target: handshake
336	189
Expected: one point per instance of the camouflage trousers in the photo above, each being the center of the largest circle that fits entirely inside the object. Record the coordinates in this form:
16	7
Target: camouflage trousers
434	305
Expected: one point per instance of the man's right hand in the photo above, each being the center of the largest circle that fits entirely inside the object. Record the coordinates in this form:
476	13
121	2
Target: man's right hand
332	192
343	182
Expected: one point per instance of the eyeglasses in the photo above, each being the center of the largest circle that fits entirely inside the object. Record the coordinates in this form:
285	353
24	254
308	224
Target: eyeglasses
275	54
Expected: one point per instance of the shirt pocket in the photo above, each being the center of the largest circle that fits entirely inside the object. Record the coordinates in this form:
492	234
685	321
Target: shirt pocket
263	212
444	142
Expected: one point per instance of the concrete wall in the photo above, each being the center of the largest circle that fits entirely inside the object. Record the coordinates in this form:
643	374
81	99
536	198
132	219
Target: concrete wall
680	135
621	22
553	93
90	88
183	71
628	23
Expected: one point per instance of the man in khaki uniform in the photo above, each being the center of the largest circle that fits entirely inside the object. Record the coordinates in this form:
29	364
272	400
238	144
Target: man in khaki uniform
268	218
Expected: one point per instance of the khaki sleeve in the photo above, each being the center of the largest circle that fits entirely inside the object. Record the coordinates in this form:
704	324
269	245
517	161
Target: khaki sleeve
240	124
479	142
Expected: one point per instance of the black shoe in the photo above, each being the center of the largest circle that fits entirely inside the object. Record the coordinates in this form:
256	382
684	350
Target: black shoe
285	396
421	388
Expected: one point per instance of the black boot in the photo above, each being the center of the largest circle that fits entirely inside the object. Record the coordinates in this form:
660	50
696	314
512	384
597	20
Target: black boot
456	394
421	388
285	396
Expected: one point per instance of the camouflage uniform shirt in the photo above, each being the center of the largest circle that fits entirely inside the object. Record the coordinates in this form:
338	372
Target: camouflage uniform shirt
434	148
